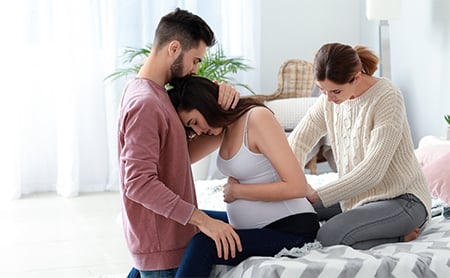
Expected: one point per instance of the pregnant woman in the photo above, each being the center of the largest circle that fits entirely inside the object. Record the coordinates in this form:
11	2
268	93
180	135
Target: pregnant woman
266	189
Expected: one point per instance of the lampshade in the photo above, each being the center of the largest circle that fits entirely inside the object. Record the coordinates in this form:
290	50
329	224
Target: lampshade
383	9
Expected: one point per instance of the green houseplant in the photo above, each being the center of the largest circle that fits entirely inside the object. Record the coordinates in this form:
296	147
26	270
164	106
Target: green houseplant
214	66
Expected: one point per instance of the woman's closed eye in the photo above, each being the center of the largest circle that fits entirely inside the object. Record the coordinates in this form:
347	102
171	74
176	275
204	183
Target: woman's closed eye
336	92
191	123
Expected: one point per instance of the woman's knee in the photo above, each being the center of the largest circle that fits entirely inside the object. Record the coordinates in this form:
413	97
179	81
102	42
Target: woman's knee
329	235
338	230
200	244
200	250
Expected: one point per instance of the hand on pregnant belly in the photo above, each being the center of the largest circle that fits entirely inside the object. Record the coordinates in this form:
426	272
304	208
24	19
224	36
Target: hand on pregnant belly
229	190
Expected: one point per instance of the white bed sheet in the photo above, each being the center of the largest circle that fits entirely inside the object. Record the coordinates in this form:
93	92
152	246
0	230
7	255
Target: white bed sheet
210	196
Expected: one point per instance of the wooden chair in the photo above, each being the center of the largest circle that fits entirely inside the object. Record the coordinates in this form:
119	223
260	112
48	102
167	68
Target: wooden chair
295	79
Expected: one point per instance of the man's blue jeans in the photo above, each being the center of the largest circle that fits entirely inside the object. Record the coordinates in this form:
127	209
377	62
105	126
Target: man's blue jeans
170	273
166	273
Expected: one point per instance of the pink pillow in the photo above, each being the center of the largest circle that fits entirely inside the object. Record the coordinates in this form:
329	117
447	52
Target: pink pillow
437	174
427	154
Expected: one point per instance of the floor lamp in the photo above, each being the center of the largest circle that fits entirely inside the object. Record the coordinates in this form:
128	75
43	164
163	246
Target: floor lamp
383	10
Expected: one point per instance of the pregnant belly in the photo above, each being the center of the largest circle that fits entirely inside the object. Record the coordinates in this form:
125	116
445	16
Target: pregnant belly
245	214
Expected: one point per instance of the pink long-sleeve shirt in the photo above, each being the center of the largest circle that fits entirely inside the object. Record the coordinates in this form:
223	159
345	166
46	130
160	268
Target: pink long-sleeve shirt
158	194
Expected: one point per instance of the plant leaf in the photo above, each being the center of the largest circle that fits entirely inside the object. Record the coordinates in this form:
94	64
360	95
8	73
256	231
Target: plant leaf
215	65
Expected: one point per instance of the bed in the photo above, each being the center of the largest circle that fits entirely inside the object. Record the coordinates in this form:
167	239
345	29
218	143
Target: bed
427	256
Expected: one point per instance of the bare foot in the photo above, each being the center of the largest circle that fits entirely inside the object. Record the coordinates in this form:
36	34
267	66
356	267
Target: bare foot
411	235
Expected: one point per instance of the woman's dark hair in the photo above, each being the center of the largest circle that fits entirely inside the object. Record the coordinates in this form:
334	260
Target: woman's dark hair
340	63
189	29
195	92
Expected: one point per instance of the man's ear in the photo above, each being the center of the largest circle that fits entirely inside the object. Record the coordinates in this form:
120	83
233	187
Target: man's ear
174	48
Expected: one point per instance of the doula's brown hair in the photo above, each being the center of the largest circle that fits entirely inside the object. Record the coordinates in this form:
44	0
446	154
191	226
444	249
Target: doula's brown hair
340	63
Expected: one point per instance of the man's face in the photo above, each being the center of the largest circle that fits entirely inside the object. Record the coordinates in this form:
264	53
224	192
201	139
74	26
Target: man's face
187	62
176	68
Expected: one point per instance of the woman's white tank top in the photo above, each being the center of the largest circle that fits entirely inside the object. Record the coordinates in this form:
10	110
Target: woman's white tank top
253	168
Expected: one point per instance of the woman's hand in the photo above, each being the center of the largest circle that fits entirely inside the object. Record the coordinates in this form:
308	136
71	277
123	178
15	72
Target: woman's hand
311	194
228	96
229	190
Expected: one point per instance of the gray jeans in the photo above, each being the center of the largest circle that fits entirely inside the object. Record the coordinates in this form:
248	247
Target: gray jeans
374	223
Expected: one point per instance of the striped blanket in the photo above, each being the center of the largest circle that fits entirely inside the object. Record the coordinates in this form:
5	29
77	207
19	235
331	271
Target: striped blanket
427	256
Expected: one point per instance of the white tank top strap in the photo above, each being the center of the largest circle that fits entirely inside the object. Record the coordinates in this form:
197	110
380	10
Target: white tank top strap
245	139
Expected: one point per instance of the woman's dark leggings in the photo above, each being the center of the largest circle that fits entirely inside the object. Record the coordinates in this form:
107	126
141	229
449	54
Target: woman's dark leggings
201	253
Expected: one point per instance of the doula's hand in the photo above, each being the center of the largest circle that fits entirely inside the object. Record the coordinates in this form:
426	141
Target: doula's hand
228	190
228	96
225	237
311	194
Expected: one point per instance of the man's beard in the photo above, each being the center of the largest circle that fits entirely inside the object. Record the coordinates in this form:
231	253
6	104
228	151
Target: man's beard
176	69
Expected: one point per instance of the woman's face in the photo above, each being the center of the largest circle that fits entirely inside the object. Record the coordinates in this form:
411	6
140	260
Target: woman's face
338	93
195	120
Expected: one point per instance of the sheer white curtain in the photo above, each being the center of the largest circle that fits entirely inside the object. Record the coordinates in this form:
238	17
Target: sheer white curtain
58	115
241	36
55	107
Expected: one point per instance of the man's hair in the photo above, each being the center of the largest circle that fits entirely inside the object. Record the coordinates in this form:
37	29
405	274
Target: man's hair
189	29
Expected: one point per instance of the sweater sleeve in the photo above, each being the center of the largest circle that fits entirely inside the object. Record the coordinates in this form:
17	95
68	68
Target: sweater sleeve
388	117
308	131
145	128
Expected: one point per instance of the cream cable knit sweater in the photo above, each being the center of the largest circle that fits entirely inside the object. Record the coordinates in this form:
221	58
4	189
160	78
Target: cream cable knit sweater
372	145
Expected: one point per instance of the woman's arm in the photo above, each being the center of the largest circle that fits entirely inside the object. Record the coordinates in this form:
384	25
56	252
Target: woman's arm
309	131
266	136
388	117
203	145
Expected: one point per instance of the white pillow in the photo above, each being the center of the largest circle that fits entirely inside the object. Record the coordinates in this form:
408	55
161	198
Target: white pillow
430	140
426	154
289	111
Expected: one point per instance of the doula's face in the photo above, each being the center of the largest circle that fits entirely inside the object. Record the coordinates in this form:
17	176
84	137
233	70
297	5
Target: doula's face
338	93
187	62
195	120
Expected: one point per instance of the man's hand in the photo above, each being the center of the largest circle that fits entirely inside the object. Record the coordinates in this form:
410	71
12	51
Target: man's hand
225	237
228	96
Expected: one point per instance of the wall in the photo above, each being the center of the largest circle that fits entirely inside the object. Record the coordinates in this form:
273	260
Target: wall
420	48
297	29
420	51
